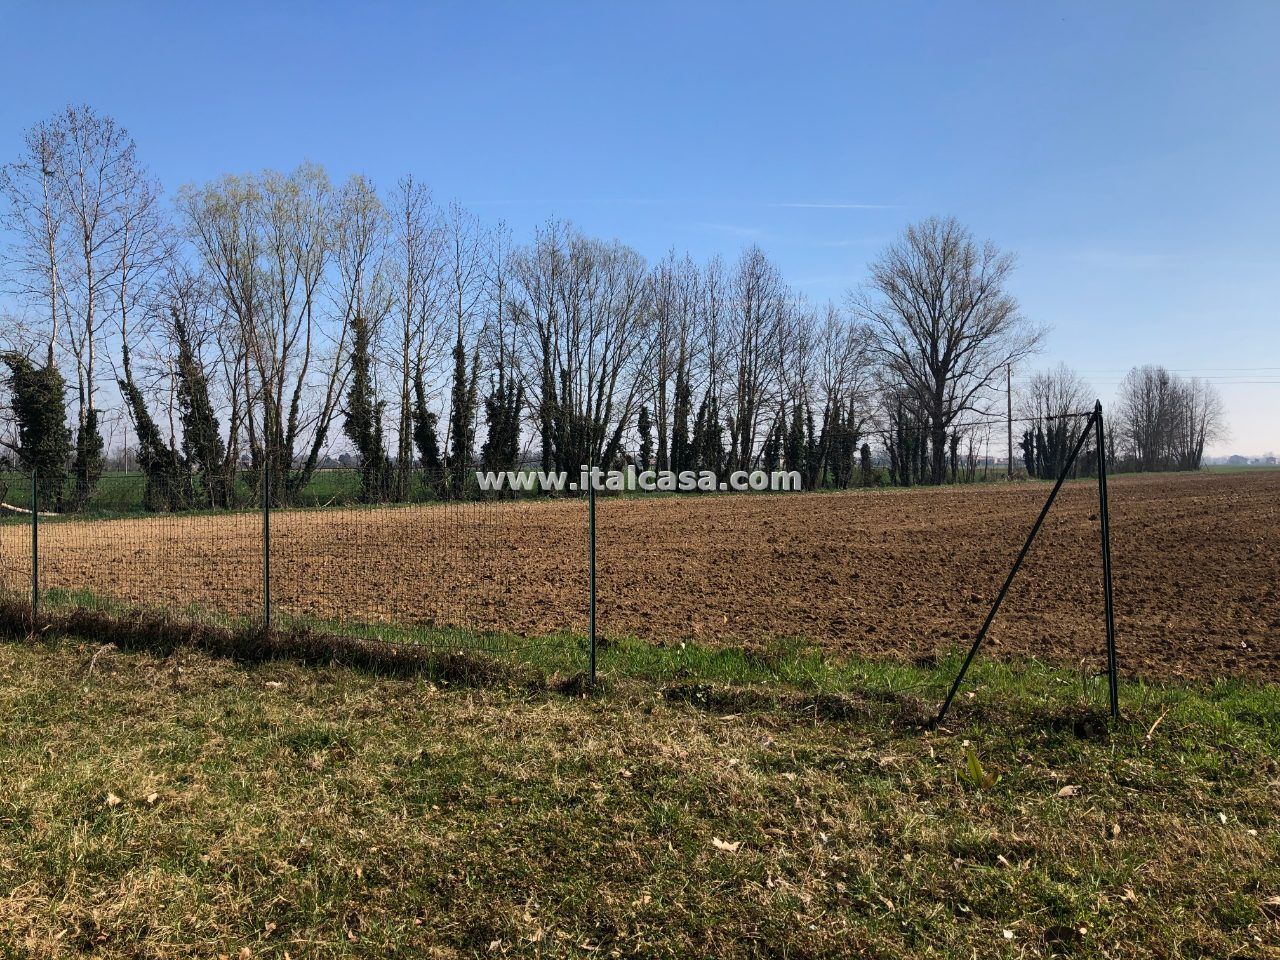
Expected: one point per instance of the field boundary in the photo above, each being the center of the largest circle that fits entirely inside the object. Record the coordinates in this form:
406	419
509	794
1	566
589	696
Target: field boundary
156	633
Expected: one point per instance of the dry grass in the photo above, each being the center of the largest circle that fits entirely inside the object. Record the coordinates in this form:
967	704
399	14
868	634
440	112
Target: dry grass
181	805
249	642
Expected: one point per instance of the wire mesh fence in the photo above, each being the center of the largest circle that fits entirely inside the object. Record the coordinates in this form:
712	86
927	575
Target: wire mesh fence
15	534
150	546
435	563
429	566
429	563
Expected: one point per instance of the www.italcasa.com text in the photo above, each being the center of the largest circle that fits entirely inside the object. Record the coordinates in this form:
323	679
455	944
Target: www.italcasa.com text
649	481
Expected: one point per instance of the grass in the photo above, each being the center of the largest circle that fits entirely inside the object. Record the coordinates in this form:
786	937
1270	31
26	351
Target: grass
785	663
1239	467
780	805
121	494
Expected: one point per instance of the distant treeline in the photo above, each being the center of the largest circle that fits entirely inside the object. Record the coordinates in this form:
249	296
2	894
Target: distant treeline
263	319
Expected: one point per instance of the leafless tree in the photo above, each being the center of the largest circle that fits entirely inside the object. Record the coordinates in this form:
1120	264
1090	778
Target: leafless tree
1164	422
713	311
417	264
1202	422
1054	393
674	299
844	367
144	251
359	241
799	346
846	382
756	319
584	326
1146	412
499	345
35	215
944	324
1048	403
266	240
111	231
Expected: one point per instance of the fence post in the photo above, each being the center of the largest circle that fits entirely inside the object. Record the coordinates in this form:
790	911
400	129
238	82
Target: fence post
591	581
1113	679
266	542
35	548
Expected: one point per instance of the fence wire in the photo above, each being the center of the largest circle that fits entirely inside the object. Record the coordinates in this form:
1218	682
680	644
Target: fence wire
15	534
435	567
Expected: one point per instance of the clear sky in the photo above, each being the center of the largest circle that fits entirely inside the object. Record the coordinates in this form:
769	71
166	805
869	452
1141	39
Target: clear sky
1128	153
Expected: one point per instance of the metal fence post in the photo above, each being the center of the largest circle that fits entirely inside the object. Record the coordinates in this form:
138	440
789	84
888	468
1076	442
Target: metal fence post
35	548
1113	679
591	581
266	542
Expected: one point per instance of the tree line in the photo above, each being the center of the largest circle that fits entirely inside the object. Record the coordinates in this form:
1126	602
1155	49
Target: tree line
257	321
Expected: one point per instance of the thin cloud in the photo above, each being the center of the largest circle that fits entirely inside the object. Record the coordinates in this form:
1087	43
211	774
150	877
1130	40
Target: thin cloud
731	229
800	205
570	201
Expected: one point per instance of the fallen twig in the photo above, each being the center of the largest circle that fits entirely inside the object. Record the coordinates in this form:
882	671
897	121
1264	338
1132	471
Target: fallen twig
100	651
23	510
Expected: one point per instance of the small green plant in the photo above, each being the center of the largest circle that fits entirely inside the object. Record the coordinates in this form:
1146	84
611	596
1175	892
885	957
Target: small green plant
972	773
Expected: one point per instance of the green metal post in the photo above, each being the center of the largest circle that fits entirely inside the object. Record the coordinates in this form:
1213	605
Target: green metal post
591	581
1113	679
35	548
266	542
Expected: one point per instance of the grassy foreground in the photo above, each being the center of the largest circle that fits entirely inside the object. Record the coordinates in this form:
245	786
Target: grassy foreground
191	806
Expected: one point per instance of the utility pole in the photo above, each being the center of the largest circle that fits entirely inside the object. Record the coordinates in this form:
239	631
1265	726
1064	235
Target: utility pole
1008	384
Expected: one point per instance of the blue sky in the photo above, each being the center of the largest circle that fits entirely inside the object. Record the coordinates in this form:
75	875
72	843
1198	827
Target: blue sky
1129	154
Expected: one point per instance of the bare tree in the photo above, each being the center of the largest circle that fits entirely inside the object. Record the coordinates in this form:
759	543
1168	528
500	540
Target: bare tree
35	216
359	240
584	322
713	322
499	343
1054	393
84	214
1146	413
267	240
417	268
1164	422
144	249
464	290
1049	406
799	346
1203	421
944	324
756	318
105	193
845	384
673	297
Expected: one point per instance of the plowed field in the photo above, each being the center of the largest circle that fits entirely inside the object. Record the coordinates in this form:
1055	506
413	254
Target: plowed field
897	573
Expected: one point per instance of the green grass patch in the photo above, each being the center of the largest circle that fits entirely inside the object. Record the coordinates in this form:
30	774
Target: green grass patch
181	805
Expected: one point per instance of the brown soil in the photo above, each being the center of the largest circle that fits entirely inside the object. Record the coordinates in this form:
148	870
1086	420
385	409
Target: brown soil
900	573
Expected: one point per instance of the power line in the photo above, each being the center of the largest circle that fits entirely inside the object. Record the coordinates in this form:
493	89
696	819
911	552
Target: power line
1202	370
1224	379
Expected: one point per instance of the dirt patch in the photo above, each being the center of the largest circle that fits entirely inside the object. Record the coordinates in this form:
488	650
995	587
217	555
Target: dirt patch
905	574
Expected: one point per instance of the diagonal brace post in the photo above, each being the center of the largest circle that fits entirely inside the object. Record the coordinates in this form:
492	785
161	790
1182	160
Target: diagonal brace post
1017	564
